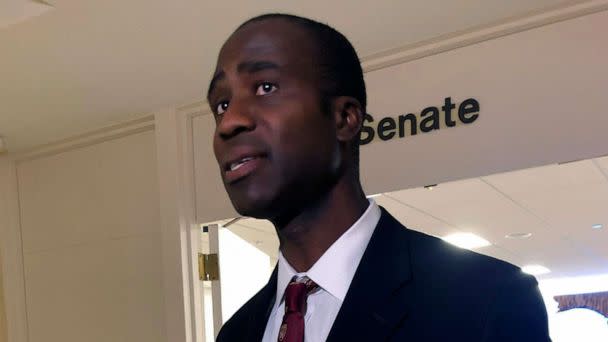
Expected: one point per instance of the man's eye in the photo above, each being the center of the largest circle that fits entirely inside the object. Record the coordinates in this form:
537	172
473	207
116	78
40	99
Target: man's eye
266	88
221	107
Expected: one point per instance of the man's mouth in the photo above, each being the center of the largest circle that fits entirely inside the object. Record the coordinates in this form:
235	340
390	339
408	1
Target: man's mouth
237	165
241	168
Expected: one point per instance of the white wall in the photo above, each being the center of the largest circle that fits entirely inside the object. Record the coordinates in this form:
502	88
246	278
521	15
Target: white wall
542	97
90	227
212	200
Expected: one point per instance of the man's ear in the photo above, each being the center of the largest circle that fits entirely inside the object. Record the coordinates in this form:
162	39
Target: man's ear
348	115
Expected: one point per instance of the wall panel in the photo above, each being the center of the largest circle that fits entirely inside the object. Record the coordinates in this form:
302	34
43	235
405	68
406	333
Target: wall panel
91	239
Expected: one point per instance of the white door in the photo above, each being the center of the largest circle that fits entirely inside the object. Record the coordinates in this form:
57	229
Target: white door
243	270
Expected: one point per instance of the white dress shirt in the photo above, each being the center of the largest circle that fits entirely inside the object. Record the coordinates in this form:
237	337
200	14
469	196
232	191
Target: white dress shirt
333	272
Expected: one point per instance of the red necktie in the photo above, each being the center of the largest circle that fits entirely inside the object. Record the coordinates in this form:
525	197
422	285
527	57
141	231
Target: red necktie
292	328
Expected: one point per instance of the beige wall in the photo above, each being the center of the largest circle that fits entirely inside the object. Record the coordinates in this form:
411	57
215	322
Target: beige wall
90	225
542	100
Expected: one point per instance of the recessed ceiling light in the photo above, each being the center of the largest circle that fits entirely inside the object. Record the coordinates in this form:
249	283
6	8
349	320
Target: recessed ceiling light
535	269
466	240
518	235
597	226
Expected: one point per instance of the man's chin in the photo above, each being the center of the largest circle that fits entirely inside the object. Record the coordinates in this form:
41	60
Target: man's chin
254	212
256	208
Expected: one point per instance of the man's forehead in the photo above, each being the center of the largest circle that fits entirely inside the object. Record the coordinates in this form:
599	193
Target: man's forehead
276	38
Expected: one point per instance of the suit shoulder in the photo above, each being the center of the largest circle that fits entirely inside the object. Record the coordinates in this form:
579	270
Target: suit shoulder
485	283
436	258
431	253
444	276
430	249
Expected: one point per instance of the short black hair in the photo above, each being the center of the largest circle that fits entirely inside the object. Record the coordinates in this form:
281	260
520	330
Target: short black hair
339	67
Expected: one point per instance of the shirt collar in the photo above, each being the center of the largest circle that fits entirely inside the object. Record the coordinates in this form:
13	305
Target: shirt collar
335	270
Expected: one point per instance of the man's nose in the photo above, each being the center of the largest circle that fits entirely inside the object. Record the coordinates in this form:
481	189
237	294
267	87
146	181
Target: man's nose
236	119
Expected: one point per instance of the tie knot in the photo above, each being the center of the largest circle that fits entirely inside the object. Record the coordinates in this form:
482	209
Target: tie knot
296	293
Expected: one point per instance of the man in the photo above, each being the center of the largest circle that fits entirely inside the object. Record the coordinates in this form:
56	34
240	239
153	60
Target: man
289	98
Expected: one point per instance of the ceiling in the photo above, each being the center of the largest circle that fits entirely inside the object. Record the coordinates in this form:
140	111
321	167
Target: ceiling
88	64
558	204
15	11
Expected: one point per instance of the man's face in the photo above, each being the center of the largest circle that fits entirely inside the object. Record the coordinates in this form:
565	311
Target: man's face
275	147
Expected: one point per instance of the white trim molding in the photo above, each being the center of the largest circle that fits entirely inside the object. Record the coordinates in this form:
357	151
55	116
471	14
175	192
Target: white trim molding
142	124
483	33
180	236
12	254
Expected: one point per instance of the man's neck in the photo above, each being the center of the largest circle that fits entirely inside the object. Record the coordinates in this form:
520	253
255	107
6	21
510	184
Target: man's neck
306	237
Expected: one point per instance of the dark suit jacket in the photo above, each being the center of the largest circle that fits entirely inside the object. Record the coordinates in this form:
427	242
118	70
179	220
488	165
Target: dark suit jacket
413	287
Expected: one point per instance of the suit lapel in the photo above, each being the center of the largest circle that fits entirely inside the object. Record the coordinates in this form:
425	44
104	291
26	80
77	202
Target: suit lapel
260	310
380	296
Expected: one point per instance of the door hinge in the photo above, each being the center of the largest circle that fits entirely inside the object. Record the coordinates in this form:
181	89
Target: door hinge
208	267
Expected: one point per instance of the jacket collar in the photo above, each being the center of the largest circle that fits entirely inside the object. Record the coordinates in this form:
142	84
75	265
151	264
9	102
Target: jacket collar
261	308
379	297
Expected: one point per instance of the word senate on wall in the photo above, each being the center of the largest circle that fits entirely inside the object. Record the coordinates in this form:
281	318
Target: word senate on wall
429	119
